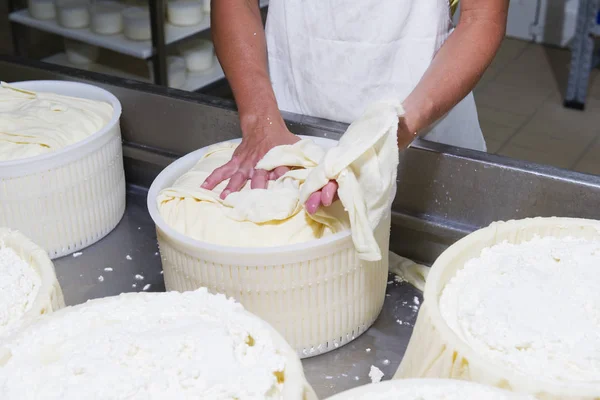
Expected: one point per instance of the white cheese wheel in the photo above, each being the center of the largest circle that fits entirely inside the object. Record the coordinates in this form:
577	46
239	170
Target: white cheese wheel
189	345
185	12
198	54
107	18
136	23
28	287
74	14
428	389
80	53
42	9
542	328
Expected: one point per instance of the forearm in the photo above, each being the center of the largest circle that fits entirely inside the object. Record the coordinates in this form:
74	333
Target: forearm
240	44
455	70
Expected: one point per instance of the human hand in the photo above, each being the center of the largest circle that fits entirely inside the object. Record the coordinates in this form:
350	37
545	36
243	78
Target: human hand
324	197
261	138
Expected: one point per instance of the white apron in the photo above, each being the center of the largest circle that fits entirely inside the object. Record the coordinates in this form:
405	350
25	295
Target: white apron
333	58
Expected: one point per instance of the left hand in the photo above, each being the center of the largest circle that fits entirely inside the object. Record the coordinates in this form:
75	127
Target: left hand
324	197
328	194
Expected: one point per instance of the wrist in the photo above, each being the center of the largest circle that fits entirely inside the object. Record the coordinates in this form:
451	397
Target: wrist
261	122
416	118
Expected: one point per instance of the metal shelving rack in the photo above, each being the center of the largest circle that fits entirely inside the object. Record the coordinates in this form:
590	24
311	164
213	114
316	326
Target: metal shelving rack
582	53
155	50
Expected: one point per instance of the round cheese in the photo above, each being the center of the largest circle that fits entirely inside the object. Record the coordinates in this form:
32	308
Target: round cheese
136	23
35	123
107	18
74	14
42	9
80	53
198	54
151	346
185	12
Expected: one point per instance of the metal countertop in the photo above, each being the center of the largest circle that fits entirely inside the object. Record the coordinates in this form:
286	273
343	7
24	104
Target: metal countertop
110	267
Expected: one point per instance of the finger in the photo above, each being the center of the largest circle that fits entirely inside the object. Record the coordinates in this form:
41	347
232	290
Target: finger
236	182
313	202
260	179
219	175
328	193
278	173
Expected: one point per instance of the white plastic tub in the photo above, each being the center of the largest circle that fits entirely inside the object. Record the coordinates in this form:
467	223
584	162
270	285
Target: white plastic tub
436	351
50	296
319	295
74	14
69	199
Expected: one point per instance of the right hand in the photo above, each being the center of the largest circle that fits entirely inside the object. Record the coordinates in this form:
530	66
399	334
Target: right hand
261	138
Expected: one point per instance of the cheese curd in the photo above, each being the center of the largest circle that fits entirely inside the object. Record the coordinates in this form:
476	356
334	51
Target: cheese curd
533	307
171	345
19	287
364	163
35	123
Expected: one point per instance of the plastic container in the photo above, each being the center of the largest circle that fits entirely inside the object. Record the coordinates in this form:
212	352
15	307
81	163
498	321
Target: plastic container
69	199
50	296
136	23
107	17
42	9
319	295
185	12
435	351
404	389
199	54
73	14
80	53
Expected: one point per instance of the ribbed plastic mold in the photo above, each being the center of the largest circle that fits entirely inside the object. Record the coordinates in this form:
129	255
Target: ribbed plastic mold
50	296
319	295
436	351
69	199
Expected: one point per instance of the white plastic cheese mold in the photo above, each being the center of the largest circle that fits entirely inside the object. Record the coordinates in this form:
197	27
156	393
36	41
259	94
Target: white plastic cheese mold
435	351
50	296
69	199
415	389
319	295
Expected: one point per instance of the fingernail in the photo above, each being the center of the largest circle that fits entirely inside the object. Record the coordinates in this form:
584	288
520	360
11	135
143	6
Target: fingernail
225	194
204	185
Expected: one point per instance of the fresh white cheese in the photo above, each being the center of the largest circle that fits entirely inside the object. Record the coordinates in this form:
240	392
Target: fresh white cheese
191	345
533	307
